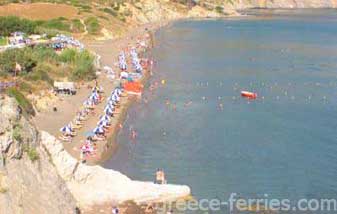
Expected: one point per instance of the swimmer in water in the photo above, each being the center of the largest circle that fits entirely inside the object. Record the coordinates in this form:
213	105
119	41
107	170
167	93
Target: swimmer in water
220	106
133	134
174	107
188	103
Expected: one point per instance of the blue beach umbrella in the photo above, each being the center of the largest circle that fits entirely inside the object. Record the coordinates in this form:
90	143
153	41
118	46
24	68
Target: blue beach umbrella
66	129
105	117
108	111
99	130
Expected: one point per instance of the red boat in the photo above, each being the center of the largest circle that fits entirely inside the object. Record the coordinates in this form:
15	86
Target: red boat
248	94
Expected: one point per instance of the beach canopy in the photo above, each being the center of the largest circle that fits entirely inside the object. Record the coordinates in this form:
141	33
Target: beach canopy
88	103
111	107
134	87
99	130
66	129
108	111
105	117
103	123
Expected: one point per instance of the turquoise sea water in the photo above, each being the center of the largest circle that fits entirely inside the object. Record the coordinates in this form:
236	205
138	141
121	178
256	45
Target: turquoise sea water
283	144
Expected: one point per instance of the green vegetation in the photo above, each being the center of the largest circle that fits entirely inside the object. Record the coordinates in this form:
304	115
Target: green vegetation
83	63
23	102
3	190
32	153
23	57
93	25
219	9
10	24
3	41
17	132
41	63
77	26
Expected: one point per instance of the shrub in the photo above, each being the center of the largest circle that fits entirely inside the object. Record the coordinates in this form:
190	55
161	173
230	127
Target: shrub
16	135
219	9
93	25
33	154
68	55
24	57
58	24
84	67
24	86
40	72
10	24
44	53
77	26
23	102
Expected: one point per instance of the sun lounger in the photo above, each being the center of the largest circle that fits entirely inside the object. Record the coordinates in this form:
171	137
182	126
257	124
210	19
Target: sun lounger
65	138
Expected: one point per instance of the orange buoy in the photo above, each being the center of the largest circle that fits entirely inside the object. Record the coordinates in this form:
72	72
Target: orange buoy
248	94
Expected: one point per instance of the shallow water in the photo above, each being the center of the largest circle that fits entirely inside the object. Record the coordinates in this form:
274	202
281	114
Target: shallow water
283	144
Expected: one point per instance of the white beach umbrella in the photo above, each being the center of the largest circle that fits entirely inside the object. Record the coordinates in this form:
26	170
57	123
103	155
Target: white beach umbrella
66	129
105	117
98	129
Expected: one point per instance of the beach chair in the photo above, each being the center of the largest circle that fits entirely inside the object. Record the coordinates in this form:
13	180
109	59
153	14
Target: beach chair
65	138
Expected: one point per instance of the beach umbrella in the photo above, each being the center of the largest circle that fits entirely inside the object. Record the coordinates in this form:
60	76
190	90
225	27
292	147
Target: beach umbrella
66	129
112	103
93	96
103	123
87	103
110	108
105	117
108	111
98	129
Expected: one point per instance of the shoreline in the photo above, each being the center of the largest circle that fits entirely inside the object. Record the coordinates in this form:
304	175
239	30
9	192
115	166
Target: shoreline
109	145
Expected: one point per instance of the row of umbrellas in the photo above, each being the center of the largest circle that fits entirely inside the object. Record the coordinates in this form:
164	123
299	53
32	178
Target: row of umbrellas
135	60
122	61
112	101
92	100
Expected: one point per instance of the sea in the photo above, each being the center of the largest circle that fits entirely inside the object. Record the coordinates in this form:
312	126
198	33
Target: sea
192	122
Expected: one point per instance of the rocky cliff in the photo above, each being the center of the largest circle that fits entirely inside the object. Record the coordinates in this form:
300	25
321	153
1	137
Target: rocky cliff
37	175
286	4
29	182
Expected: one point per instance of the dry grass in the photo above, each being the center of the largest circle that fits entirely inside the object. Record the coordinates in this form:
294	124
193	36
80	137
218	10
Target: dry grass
39	11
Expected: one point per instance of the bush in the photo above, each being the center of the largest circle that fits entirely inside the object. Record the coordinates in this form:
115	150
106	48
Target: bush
219	9
77	26
23	57
84	67
10	24
68	56
17	133
23	102
33	154
58	24
93	25
40	72
109	11
44	53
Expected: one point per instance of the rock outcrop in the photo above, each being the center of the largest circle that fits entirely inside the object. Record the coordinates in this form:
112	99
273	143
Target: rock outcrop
95	185
38	176
29	182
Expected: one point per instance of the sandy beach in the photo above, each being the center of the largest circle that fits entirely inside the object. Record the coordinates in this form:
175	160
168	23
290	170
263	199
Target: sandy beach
67	106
